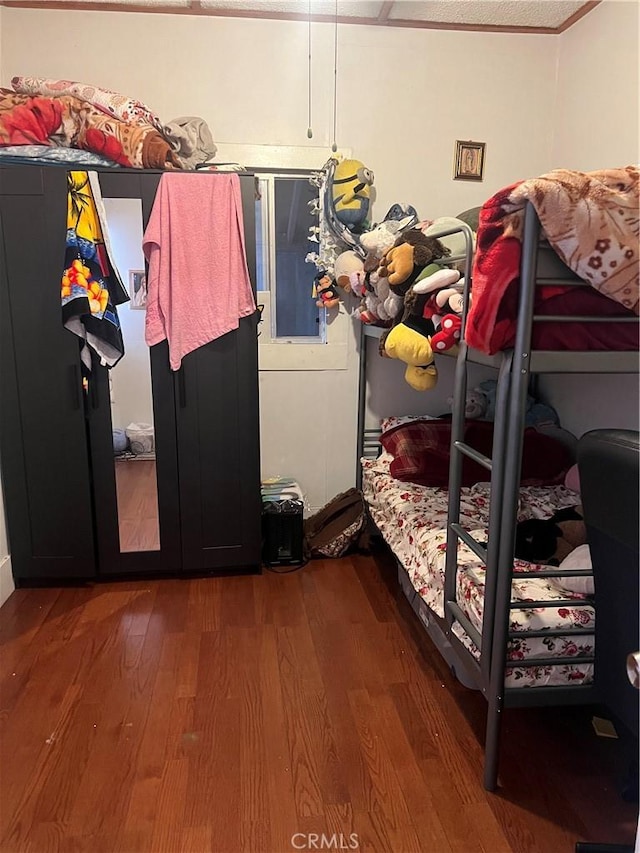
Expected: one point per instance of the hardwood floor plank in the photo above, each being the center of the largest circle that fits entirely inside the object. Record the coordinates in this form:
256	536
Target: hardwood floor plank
339	591
283	818
170	806
386	794
332	645
227	714
137	496
196	839
20	805
279	602
136	833
203	605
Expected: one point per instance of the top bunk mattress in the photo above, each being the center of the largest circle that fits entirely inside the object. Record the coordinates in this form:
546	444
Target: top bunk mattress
591	229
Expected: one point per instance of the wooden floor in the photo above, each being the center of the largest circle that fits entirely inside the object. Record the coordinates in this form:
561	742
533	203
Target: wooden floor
229	714
137	489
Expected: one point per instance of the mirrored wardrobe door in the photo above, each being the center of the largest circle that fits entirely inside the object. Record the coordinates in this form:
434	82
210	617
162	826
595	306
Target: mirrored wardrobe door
132	430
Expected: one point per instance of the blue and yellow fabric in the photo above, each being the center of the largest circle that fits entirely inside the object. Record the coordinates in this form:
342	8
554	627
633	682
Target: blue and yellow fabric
91	285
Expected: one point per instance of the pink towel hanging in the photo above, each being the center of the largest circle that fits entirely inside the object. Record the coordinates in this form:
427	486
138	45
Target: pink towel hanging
198	284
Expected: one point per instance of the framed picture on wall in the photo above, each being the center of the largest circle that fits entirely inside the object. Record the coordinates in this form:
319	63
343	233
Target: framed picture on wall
468	163
138	289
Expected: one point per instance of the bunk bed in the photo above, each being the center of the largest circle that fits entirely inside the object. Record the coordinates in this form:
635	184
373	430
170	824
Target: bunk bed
479	605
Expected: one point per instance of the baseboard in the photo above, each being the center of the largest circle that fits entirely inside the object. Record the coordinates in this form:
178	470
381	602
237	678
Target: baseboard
6	579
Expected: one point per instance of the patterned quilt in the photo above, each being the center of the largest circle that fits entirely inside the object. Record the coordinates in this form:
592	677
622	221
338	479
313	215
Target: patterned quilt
413	519
70	122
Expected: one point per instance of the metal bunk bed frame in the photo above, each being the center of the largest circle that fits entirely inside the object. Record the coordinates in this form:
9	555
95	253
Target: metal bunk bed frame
515	368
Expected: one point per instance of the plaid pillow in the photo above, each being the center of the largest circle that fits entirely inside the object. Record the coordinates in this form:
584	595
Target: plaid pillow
421	454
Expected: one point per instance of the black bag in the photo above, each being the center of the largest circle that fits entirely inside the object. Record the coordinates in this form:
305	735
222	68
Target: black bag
337	526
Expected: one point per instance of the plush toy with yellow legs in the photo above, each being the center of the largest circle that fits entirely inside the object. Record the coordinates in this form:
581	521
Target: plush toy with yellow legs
410	341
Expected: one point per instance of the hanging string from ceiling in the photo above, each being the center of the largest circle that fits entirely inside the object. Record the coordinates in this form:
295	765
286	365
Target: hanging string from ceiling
309	128
334	146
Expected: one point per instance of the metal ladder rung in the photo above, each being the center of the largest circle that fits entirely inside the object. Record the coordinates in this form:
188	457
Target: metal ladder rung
578	660
470	542
480	458
526	604
460	617
552	632
553	573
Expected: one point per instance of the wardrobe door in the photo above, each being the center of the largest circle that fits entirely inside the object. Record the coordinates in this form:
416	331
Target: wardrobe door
45	465
136	491
219	441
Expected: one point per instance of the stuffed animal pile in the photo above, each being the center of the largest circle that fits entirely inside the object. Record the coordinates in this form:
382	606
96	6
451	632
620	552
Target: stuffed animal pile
397	269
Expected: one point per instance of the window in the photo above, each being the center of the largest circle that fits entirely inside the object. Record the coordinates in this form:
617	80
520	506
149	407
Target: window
283	219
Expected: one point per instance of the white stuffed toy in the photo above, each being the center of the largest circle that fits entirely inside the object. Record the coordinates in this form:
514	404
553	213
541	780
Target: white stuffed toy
383	236
348	272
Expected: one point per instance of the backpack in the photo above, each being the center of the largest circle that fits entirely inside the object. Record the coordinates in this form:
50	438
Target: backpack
337	526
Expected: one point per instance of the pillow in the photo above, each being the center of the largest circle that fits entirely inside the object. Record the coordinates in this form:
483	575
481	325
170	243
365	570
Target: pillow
572	480
471	217
578	559
389	423
420	451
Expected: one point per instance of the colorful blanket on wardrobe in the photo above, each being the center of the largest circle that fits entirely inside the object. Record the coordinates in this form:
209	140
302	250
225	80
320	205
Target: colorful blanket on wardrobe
590	219
75	123
189	136
91	284
112	103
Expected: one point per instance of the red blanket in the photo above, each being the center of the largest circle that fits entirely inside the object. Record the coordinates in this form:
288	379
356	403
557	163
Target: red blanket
591	219
74	123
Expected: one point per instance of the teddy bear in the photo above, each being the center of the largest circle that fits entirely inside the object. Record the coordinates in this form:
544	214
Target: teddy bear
476	404
349	273
549	541
407	258
536	414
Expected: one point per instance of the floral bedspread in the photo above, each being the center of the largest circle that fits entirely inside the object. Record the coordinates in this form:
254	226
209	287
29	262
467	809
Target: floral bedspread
413	521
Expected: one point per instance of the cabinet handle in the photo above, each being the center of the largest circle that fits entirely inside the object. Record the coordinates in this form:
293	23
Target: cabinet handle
182	389
75	381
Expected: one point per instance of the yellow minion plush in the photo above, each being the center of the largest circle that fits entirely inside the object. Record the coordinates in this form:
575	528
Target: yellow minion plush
351	188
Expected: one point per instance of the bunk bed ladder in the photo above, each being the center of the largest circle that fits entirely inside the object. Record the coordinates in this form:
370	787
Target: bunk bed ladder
504	465
510	489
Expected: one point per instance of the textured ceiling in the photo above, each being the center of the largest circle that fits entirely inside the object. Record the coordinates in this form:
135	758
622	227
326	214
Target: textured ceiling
521	13
536	15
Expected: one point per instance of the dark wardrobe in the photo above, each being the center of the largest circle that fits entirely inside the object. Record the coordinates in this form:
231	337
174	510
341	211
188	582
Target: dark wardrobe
64	501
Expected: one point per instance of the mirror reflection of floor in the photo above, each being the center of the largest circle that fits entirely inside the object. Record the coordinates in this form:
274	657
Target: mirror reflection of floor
137	491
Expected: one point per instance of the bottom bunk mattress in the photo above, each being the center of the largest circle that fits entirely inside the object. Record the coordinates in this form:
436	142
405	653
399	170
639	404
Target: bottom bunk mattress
413	521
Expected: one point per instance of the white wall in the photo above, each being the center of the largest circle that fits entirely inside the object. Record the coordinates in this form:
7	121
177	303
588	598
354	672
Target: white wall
597	111
404	97
132	400
597	125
